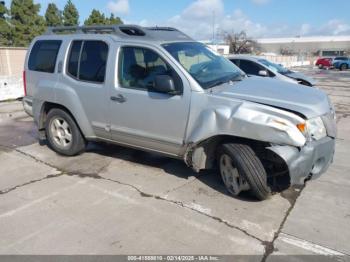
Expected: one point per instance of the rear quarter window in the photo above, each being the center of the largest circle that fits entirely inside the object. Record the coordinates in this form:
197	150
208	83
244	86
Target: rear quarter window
43	56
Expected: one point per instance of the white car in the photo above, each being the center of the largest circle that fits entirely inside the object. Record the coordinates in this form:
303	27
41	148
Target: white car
252	65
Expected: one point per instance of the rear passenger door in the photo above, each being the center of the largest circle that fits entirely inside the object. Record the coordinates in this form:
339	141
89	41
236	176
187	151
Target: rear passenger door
85	80
141	116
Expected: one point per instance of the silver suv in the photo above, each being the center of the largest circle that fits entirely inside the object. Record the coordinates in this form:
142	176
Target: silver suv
157	89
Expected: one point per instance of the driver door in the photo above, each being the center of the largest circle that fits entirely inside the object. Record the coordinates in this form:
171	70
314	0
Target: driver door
140	116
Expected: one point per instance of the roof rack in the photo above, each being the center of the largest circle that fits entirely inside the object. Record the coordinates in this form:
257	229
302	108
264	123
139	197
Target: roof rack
99	29
157	28
154	33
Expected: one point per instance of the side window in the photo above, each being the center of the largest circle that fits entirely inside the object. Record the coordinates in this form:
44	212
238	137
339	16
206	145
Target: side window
250	67
235	61
88	60
341	58
43	56
138	68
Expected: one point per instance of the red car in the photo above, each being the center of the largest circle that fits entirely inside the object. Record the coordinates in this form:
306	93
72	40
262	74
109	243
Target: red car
324	62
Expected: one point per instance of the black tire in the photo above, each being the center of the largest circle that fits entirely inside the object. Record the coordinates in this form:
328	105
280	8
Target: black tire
249	167
343	67
320	66
77	144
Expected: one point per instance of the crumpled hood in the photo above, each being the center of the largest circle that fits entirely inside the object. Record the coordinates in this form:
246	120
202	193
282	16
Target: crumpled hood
308	101
297	75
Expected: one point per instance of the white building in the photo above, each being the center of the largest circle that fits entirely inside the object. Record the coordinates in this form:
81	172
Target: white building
220	48
318	45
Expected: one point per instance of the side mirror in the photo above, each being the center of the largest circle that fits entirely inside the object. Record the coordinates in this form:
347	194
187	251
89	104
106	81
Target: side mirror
164	84
263	73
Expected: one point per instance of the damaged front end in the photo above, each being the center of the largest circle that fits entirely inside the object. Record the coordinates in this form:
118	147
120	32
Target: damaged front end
314	158
277	136
307	162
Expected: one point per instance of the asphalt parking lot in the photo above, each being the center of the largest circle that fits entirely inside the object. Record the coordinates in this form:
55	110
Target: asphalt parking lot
113	200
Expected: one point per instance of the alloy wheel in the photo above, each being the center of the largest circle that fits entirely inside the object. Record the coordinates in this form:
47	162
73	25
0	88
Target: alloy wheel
234	182
61	133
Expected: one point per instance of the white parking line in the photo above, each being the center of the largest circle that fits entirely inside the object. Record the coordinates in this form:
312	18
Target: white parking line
317	249
39	200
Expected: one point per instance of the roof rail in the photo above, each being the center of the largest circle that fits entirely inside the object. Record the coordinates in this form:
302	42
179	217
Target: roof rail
152	33
165	30
157	28
132	30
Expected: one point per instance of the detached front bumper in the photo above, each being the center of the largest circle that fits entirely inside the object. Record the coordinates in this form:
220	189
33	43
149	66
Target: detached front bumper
312	160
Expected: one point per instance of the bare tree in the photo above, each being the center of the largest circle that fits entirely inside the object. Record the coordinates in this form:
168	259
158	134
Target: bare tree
286	51
240	43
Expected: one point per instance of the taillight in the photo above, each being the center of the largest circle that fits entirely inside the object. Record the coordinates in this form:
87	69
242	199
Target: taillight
24	83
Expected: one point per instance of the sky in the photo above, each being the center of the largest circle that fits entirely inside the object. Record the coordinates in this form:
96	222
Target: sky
197	18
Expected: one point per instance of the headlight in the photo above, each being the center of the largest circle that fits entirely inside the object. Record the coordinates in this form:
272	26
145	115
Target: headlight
315	128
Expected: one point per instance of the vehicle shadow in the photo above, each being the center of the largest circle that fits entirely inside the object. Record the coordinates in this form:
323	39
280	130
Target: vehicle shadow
170	166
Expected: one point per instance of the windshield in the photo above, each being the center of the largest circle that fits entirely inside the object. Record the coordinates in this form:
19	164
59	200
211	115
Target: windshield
274	67
206	67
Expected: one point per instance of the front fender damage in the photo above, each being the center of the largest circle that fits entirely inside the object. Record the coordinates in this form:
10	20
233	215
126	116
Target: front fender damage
252	121
242	120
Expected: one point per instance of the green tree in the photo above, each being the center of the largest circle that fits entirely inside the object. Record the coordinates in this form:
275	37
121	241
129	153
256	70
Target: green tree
6	32
53	16
112	20
70	14
3	9
96	18
26	21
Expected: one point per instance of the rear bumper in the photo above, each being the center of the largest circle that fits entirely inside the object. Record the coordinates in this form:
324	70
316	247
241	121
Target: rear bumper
328	66
310	161
28	105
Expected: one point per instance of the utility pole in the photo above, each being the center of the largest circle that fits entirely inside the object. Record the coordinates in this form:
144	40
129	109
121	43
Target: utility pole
213	39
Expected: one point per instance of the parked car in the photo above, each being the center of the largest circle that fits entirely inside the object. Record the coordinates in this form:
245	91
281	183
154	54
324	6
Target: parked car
258	66
158	90
341	63
324	62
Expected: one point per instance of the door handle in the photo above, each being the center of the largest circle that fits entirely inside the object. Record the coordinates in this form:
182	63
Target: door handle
118	98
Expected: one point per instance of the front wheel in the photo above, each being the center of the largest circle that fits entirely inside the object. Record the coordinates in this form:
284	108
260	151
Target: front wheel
343	67
242	170
63	134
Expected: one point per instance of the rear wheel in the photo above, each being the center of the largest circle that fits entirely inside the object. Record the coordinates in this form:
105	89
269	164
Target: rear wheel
242	170
320	66
63	134
343	67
